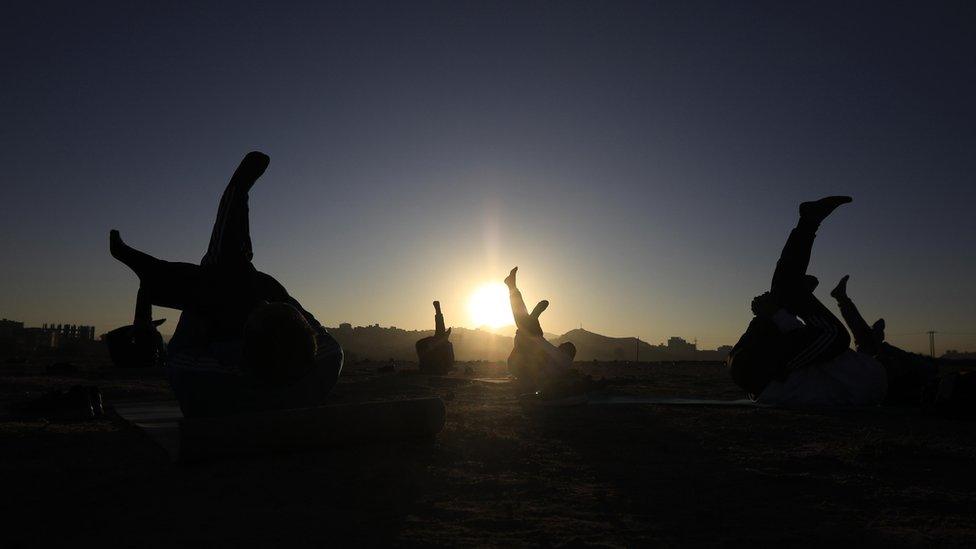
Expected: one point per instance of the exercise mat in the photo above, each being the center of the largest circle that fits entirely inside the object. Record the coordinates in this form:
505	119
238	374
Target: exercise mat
620	399
494	380
160	420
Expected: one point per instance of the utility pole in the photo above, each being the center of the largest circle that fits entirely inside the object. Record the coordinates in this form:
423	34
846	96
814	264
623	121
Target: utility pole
932	343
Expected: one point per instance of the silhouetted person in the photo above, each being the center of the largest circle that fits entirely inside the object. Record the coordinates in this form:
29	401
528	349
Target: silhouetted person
137	347
242	343
909	374
538	365
795	352
435	354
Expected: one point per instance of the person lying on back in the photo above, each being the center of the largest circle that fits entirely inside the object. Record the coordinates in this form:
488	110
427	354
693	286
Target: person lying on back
541	368
795	352
435	354
242	342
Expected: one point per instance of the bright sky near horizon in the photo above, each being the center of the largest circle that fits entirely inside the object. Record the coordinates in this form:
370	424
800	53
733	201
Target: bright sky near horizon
640	162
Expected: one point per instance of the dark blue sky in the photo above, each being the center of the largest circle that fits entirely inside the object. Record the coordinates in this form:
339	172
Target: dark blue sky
641	162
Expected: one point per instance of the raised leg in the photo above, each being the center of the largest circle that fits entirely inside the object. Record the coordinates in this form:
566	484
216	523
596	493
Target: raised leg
790	276
230	240
163	283
865	338
821	339
525	322
439	326
824	336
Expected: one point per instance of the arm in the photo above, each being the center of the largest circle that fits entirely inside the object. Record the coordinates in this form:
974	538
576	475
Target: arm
144	332
143	314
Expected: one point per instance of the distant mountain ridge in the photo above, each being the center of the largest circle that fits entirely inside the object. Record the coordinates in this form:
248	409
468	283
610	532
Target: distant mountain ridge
381	343
509	331
593	346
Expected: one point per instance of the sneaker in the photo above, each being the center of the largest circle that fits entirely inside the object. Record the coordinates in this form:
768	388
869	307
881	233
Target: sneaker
840	290
95	397
818	210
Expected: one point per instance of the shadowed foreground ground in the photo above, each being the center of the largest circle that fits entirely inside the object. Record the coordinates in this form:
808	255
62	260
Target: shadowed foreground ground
607	476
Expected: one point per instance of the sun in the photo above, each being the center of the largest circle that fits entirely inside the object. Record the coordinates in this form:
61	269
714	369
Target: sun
488	306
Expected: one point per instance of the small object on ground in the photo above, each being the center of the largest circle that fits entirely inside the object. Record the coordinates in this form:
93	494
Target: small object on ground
76	403
97	403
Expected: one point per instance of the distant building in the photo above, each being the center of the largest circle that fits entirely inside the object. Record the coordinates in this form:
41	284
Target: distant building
16	338
10	327
345	327
678	345
68	332
725	349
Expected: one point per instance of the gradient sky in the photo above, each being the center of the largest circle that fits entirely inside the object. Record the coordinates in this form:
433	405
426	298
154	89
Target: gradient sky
640	162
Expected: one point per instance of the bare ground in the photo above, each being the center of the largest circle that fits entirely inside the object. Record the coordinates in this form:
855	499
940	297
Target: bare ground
498	475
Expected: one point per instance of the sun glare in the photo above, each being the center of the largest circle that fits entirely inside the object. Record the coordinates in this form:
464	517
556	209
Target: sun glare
488	306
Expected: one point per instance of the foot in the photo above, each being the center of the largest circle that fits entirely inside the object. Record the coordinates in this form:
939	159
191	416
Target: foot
540	307
878	328
811	282
840	290
510	279
116	246
818	210
250	169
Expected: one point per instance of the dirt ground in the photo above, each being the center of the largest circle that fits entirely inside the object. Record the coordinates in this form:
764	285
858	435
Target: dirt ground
498	475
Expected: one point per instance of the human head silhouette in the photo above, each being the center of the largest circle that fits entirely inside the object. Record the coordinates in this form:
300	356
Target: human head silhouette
569	349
